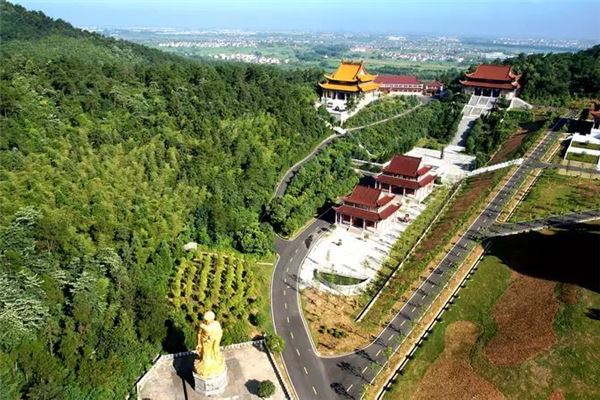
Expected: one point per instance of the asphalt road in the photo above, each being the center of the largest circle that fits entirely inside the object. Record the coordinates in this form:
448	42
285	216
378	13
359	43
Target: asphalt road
343	377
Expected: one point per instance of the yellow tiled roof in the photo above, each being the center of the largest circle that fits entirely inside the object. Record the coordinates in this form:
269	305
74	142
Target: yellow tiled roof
360	87
367	87
340	87
367	77
348	71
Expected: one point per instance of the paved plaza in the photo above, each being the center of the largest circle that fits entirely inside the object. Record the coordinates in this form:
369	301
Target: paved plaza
350	251
453	167
170	378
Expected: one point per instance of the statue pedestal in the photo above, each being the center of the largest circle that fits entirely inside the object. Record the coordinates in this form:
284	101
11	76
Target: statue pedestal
210	386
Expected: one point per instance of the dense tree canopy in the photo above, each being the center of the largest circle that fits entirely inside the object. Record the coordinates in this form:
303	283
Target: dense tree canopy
111	156
557	78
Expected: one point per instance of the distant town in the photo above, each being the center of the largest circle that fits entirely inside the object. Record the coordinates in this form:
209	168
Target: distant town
406	53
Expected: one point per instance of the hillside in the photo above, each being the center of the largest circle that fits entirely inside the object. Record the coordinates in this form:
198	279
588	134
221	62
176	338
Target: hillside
557	78
113	155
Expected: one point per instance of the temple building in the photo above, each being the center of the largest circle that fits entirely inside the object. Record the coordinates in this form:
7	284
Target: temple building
433	87
366	208
401	84
406	176
492	81
349	83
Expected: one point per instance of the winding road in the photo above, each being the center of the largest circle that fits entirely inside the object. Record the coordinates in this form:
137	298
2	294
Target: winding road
316	377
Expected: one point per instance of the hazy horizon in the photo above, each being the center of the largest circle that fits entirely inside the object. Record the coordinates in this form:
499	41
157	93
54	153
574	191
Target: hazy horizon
536	19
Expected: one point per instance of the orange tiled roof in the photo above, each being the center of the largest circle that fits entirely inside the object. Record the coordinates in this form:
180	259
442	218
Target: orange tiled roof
403	165
367	215
405	183
364	195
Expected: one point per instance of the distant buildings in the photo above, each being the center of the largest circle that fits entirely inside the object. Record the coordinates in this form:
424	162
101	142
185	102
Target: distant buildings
584	146
407	84
433	87
351	87
348	88
492	81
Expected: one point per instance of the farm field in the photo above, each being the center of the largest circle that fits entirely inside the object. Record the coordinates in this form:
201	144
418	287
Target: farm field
524	326
227	284
555	194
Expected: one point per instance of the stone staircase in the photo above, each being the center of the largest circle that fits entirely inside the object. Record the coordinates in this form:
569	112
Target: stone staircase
475	108
478	105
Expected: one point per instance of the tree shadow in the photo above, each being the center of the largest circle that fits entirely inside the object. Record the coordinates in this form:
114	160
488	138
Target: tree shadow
569	255
593	313
252	386
339	389
349	368
174	341
184	367
362	353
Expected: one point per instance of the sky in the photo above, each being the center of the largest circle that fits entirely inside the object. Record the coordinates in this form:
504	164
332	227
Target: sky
552	19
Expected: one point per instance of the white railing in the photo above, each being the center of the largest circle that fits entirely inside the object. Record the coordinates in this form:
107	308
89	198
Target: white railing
494	167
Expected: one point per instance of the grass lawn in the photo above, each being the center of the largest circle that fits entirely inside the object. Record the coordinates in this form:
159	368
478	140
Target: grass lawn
262	273
586	145
337	279
555	194
584	158
383	108
571	365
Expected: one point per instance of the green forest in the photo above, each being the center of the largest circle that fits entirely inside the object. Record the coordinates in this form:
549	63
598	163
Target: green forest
557	78
112	156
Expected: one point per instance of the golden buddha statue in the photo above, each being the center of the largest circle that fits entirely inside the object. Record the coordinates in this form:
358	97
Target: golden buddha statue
210	361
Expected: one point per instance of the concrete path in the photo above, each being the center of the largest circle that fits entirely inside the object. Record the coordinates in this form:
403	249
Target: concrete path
462	132
319	378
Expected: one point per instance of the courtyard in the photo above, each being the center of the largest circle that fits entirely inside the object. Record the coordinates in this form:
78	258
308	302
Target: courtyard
351	252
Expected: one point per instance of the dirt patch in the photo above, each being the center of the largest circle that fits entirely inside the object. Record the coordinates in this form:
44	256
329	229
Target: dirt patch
452	376
524	317
509	147
514	142
330	321
558	395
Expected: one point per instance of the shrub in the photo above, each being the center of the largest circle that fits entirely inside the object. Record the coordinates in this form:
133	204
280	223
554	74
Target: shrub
266	389
275	343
